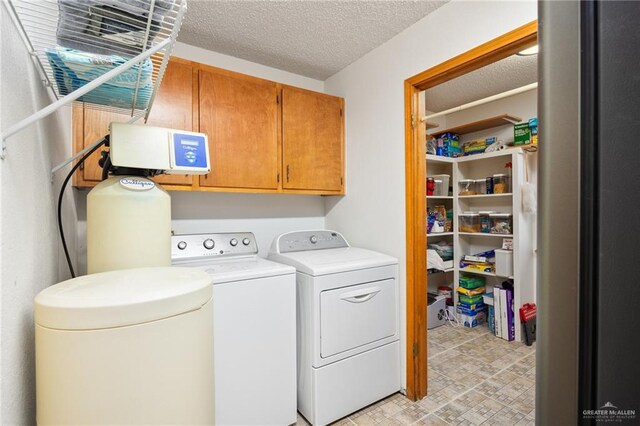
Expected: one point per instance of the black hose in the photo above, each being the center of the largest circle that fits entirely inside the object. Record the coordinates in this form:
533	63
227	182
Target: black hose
64	185
106	166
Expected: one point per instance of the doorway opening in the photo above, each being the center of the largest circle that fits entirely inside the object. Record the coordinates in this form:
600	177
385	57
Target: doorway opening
417	122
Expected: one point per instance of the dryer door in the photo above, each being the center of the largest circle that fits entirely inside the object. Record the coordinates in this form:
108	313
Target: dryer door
356	315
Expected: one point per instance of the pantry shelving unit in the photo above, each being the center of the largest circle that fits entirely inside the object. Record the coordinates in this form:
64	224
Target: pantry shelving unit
440	165
477	167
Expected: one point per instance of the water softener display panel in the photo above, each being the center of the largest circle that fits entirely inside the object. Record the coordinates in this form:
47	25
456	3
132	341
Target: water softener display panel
190	152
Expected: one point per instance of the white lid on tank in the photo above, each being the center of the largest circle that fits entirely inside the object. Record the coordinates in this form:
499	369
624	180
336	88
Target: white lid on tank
122	298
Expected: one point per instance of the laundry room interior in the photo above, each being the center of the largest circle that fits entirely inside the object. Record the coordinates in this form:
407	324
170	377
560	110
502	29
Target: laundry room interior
296	213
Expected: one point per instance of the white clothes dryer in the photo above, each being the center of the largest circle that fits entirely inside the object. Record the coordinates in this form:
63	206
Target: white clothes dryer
347	323
254	327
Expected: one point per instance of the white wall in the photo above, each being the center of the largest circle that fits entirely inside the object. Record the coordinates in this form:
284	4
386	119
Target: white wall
266	215
231	63
372	214
29	250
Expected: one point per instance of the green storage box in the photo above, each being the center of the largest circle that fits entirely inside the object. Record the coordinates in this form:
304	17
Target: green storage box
471	282
469	300
521	134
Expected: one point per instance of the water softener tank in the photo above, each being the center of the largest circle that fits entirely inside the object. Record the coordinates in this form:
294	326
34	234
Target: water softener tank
128	225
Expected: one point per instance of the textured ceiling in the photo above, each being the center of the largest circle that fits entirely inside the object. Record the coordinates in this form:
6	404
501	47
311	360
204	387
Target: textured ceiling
314	38
509	73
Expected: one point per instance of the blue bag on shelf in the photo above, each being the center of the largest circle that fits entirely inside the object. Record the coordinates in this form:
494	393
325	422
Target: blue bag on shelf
73	69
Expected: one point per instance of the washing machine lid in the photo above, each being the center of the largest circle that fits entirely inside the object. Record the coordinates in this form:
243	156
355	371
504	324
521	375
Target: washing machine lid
333	261
237	269
122	298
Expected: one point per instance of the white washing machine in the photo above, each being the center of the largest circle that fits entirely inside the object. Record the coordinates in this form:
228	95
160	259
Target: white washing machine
348	323
254	327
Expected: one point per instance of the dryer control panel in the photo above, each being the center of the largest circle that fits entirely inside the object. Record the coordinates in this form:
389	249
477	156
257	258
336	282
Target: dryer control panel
308	240
194	246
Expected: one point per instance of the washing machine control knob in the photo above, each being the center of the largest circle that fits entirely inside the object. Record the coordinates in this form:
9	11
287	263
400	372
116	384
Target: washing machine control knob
233	242
313	239
246	241
208	244
182	245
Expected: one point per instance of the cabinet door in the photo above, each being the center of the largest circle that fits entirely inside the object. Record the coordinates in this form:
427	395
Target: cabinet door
312	140
239	114
172	108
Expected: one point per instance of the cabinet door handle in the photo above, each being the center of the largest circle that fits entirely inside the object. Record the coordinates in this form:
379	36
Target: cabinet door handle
287	173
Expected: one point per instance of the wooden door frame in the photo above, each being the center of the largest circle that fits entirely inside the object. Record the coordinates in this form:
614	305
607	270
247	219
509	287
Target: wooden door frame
415	173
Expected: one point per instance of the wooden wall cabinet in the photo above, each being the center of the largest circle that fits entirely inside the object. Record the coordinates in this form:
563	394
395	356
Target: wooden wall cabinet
240	116
263	136
312	140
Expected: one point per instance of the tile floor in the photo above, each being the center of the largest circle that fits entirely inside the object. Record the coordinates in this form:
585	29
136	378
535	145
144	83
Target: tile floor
474	379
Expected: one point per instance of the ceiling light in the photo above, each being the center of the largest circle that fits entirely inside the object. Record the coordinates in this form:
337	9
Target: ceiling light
533	50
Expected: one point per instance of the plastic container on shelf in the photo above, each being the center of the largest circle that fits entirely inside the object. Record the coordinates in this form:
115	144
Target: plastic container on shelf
485	221
504	263
447	292
489	185
500	183
443	189
430	186
481	186
501	223
466	187
438	188
469	222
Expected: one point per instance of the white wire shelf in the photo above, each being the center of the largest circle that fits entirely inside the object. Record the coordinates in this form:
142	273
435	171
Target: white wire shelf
109	54
485	234
488	274
505	194
439	234
436	271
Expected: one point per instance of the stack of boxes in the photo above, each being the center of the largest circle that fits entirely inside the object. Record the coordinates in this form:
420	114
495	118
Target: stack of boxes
495	307
471	309
448	145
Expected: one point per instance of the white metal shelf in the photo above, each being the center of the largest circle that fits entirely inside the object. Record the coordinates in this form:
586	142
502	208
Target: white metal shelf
446	271
109	54
451	160
485	234
439	234
487	274
486	155
440	159
439	197
506	194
